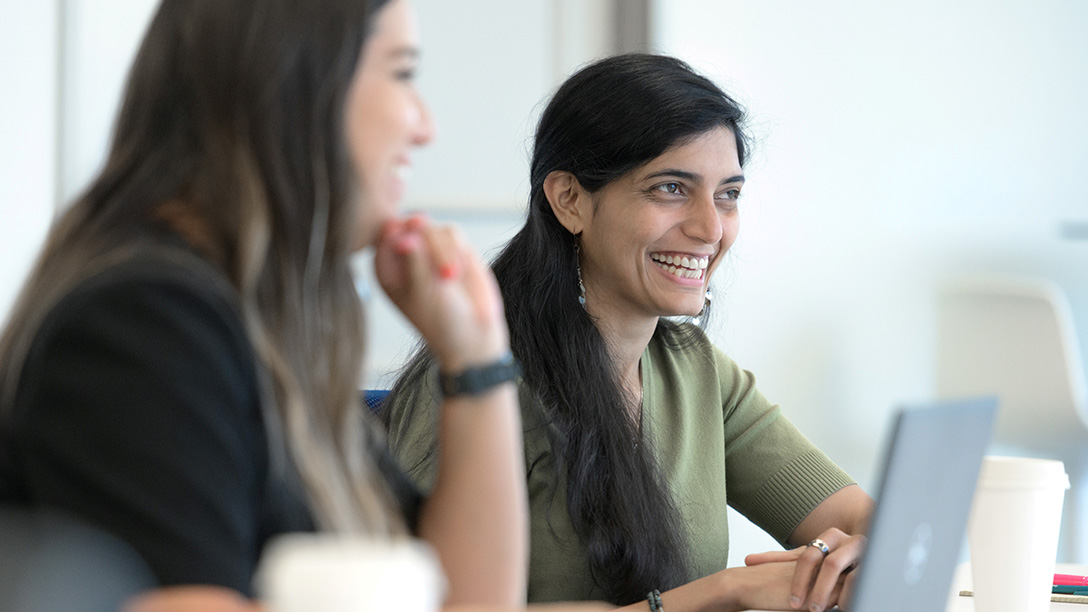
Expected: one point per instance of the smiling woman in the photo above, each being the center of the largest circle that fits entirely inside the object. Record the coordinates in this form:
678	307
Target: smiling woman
680	210
638	431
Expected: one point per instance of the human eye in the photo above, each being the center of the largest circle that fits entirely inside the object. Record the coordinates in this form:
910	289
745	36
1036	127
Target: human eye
671	188
728	198
731	194
406	74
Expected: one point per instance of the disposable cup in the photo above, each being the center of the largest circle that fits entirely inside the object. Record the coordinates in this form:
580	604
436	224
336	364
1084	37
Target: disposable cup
1013	533
329	573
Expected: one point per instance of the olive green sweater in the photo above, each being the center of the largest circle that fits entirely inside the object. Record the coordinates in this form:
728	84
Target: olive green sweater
716	439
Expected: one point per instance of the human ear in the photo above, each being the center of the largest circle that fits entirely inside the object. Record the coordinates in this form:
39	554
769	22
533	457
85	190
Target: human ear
568	200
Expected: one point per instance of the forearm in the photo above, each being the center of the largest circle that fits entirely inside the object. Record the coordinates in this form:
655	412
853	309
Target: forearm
476	516
848	510
719	592
578	606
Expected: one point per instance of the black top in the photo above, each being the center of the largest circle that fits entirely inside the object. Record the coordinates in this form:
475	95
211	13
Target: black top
138	409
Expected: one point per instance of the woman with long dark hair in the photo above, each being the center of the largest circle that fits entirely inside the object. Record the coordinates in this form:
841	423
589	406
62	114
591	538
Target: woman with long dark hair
638	431
183	364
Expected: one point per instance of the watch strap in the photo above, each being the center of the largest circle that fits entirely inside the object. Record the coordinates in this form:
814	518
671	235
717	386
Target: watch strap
480	379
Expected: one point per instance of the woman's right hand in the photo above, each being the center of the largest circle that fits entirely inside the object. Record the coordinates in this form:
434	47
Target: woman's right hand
444	289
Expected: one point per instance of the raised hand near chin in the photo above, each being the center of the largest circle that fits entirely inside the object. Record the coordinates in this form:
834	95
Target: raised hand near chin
444	289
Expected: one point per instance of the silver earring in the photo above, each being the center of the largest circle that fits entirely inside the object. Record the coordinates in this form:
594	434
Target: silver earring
578	268
698	319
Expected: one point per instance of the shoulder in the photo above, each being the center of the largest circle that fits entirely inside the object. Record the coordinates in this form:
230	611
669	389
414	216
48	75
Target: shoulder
157	292
163	282
162	322
686	357
687	349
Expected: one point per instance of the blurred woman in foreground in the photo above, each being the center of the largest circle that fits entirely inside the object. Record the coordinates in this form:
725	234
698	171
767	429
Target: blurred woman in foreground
182	367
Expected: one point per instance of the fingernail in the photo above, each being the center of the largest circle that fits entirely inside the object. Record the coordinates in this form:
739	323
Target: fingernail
795	602
815	608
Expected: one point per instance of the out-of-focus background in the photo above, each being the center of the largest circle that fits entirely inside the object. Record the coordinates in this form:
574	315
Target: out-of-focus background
903	151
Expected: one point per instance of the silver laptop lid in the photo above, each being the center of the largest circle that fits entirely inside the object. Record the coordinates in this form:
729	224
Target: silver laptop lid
930	470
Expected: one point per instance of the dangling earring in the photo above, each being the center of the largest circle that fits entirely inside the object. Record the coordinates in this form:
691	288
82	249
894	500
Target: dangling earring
698	319
578	268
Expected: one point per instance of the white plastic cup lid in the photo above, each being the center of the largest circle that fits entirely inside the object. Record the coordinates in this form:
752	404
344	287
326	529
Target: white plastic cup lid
337	573
1022	473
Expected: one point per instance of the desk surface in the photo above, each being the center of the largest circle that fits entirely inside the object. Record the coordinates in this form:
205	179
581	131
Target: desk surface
962	581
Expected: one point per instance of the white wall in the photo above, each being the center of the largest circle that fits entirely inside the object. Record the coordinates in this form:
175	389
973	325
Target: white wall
100	41
897	144
28	60
63	63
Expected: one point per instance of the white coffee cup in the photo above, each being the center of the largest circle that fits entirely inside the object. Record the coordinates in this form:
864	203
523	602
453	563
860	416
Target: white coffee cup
1013	533
332	573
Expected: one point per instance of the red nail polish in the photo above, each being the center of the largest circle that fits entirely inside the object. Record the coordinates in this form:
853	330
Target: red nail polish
448	271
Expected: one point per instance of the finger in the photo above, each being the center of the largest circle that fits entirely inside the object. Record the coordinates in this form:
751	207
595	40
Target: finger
838	598
803	576
397	237
396	231
403	261
773	556
444	251
847	588
827	581
393	246
831	574
481	285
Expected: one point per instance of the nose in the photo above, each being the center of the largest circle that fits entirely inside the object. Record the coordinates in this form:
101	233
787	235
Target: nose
703	222
423	130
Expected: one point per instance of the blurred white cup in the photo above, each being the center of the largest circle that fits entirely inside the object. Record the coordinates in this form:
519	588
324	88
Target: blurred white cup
333	573
1013	533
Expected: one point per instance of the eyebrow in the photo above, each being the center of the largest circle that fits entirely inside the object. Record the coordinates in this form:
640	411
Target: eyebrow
690	176
406	52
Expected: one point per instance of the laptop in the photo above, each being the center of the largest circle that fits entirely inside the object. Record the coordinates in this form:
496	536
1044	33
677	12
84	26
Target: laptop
917	528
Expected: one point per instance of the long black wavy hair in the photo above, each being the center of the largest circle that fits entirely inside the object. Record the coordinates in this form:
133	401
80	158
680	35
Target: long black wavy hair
606	120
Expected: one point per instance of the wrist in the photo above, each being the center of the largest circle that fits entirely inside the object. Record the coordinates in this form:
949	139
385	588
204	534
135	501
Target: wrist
460	361
483	349
480	378
725	592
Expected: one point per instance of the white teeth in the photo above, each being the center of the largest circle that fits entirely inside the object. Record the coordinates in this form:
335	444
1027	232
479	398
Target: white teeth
681	266
681	272
403	172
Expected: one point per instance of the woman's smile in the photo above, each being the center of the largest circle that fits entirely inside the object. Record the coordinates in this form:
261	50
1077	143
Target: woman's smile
682	266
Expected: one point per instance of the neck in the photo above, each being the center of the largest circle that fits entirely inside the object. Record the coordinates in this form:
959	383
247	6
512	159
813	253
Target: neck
627	340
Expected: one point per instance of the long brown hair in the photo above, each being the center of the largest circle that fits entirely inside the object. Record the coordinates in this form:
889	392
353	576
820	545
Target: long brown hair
230	135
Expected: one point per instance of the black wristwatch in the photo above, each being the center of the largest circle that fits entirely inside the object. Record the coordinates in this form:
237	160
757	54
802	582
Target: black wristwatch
479	379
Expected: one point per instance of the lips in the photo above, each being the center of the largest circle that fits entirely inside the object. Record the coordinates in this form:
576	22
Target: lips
682	266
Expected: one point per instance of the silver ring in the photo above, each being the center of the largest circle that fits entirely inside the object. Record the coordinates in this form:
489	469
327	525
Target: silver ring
820	545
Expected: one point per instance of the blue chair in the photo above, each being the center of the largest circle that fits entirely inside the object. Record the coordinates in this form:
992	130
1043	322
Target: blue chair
374	399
